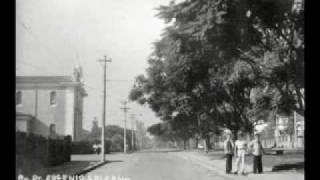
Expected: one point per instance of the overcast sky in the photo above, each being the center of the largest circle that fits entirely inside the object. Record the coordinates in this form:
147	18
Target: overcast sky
54	35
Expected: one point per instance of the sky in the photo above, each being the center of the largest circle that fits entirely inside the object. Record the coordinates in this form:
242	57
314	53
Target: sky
52	36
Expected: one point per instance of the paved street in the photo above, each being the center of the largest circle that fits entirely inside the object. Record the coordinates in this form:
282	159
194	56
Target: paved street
153	166
214	162
164	165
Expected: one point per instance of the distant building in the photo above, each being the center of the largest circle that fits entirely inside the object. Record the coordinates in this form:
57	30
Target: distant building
49	105
285	131
298	5
279	131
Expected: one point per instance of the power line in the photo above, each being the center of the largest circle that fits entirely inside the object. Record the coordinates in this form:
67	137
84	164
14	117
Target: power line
86	83
28	30
120	80
51	73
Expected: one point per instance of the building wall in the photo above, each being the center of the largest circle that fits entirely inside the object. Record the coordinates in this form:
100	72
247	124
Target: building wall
69	113
28	102
22	126
52	114
44	112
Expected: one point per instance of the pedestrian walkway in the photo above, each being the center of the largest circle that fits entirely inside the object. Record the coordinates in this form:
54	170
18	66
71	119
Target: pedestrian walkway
216	162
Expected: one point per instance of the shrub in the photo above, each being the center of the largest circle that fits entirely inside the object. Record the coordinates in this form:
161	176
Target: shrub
82	147
37	149
86	147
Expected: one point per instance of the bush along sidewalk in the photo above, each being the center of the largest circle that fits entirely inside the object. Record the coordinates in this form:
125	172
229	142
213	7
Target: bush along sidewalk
86	147
35	151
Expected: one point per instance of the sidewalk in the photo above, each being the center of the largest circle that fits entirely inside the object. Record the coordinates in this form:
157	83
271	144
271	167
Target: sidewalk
214	161
79	164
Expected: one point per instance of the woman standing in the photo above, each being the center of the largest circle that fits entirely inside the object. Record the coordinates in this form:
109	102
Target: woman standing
240	154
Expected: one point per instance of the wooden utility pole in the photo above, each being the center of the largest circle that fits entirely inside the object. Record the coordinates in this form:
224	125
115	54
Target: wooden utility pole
295	129
125	109
105	60
132	116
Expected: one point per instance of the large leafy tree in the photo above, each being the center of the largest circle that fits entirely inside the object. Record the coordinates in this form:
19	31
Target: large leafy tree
281	25
229	60
205	38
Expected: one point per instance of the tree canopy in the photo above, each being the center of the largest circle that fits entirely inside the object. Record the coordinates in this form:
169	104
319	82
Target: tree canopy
225	63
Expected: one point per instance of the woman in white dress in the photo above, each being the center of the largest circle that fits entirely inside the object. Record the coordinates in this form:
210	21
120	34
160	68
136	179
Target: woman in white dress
241	147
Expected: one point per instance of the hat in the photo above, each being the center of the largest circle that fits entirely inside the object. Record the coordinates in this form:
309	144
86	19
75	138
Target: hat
257	133
227	131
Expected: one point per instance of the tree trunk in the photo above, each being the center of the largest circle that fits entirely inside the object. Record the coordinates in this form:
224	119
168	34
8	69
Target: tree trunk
208	142
206	145
197	143
235	134
184	144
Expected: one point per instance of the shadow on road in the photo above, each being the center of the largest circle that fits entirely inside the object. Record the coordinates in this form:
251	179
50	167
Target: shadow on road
159	151
113	161
67	168
291	166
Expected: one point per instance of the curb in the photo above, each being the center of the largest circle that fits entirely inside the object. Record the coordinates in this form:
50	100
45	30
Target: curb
211	167
90	168
207	166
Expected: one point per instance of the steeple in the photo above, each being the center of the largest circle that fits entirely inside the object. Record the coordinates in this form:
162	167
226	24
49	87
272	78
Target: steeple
77	72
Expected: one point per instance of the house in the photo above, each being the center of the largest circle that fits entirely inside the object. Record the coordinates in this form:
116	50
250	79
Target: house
50	104
285	131
280	130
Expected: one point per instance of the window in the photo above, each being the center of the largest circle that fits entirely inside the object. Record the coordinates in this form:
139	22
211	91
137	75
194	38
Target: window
52	128
18	97
298	5
52	131
53	98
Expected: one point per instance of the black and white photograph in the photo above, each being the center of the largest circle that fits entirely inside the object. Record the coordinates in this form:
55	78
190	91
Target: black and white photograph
159	90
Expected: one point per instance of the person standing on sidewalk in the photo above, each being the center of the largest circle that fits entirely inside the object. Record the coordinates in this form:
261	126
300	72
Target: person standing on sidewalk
240	153
228	151
257	150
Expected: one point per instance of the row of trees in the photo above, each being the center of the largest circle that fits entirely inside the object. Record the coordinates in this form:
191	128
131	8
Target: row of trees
114	134
224	64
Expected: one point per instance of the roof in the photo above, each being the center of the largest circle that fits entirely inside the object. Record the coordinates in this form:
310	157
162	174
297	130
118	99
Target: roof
43	79
48	82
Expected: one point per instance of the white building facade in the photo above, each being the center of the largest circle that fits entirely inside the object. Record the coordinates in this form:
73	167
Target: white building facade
53	105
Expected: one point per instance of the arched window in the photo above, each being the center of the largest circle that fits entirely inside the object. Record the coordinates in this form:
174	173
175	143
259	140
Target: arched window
53	98
18	97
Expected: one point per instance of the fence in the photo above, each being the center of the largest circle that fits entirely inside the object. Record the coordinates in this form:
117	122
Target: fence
268	142
284	141
36	149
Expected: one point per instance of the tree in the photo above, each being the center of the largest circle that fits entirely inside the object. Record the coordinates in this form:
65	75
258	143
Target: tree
215	54
117	142
114	133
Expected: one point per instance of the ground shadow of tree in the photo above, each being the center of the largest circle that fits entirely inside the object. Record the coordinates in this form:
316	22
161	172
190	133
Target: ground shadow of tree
288	166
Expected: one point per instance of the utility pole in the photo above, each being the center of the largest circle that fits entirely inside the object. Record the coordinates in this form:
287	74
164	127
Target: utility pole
105	60
295	129
125	109
135	134
138	139
134	127
132	116
36	103
276	127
